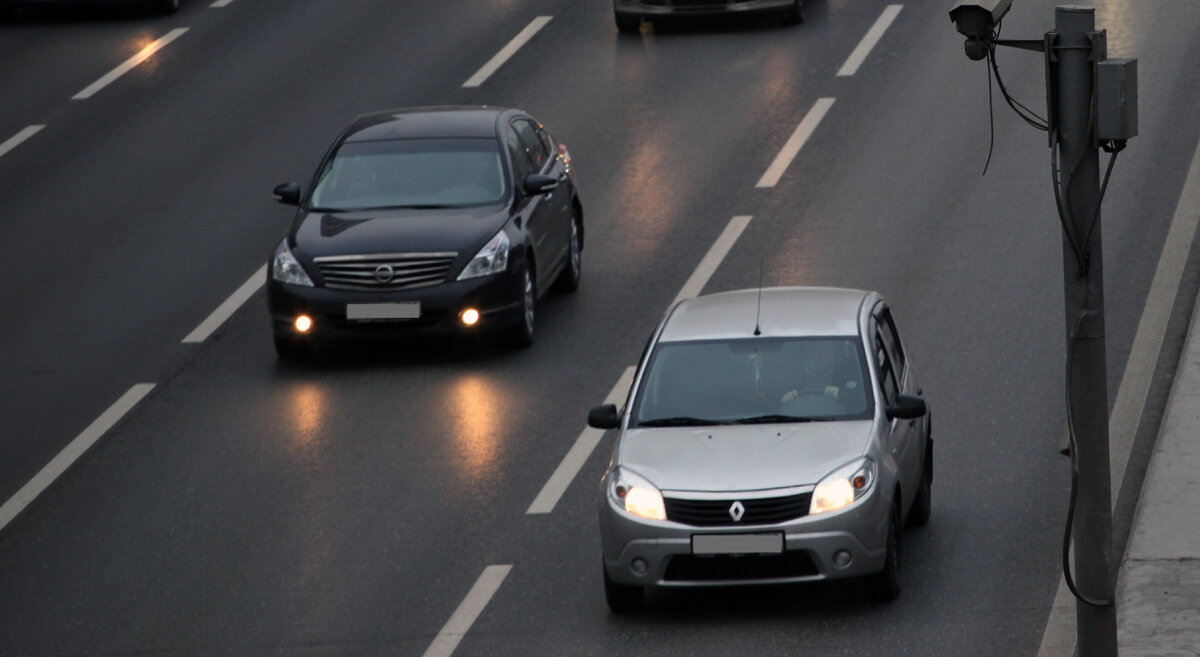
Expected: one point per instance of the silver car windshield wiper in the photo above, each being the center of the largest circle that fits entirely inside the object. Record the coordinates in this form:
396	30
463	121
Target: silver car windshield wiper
777	419
680	422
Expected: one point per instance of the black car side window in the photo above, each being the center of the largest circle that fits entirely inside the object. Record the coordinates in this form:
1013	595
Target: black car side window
535	148
521	164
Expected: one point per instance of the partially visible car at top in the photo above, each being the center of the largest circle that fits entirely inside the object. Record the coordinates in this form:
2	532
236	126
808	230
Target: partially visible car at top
770	436
155	6
427	221
629	13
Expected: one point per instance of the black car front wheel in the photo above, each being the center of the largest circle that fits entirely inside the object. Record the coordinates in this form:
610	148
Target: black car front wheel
521	334
287	348
163	6
793	15
572	272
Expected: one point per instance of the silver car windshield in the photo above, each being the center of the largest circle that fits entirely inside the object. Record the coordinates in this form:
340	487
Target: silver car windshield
754	380
411	173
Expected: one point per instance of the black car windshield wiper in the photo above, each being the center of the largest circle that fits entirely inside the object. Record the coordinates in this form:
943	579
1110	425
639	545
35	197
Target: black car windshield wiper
679	422
777	419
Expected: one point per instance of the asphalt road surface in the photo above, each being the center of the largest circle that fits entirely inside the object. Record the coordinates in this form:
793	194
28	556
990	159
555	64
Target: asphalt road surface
375	501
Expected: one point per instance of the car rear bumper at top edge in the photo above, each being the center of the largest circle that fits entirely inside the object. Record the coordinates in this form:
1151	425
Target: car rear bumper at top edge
653	8
497	298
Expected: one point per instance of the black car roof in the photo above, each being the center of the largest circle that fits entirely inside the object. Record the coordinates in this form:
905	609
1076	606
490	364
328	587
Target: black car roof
426	122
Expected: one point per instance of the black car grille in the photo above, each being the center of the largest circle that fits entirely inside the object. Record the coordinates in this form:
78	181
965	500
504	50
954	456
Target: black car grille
688	568
385	272
758	511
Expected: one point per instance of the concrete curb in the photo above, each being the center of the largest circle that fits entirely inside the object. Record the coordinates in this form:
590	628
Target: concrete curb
1158	589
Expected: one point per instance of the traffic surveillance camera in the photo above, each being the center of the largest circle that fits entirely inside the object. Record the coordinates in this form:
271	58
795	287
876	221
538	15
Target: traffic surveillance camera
977	20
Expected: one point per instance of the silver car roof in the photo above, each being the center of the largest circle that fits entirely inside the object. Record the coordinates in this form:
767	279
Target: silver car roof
785	311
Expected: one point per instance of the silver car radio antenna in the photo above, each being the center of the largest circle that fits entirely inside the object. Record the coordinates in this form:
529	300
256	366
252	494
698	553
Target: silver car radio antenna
758	310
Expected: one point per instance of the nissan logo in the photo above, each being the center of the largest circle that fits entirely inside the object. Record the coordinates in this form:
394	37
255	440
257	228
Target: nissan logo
736	511
384	273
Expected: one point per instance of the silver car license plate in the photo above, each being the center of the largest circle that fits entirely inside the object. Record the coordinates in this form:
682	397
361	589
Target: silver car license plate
374	311
737	543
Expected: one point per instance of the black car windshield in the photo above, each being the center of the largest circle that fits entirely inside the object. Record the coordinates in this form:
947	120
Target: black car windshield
754	380
413	173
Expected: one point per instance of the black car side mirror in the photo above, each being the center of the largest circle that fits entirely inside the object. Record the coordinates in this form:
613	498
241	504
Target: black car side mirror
536	183
287	193
604	417
907	407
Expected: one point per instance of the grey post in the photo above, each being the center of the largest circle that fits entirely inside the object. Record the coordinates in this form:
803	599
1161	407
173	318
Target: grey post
1076	48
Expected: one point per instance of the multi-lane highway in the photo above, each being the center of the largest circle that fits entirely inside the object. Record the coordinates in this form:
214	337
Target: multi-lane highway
170	488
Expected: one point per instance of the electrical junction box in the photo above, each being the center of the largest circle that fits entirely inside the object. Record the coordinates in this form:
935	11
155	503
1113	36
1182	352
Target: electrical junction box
1116	99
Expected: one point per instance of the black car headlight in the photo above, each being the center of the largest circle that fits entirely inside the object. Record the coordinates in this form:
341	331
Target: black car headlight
491	259
286	269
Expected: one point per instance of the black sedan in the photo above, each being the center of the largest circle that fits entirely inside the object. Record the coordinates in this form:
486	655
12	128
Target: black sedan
427	221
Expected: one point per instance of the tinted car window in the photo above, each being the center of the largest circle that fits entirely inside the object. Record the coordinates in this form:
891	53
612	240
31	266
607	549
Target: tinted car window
410	173
731	380
522	166
537	149
887	374
891	340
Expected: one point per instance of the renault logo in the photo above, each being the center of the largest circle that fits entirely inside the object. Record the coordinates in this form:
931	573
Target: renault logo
384	273
736	511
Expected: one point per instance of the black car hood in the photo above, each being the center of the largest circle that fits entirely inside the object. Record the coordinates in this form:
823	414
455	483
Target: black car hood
462	230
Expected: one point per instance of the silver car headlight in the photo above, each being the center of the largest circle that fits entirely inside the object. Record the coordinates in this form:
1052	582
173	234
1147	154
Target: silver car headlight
843	486
636	495
286	269
491	259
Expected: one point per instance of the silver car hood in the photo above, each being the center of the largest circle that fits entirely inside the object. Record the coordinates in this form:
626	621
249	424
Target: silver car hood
742	458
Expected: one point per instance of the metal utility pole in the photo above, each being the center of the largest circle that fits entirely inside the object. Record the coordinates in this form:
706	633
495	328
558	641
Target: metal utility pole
1076	48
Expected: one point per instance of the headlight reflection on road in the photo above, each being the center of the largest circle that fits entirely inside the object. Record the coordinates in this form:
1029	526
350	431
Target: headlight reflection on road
309	412
476	408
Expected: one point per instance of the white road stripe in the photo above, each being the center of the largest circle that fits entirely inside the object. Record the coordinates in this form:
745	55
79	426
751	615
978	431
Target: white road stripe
507	51
59	464
129	64
220	3
230	306
19	138
795	142
470	608
1058	640
566	471
868	42
580	451
712	260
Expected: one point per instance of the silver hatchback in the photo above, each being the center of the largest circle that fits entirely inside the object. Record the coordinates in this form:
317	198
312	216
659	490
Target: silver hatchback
770	436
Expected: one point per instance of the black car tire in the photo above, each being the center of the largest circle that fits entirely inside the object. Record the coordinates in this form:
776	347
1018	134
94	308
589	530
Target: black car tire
884	586
164	6
568	278
793	15
621	598
922	507
627	24
521	334
289	348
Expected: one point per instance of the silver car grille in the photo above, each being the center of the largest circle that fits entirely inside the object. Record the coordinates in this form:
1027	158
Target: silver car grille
755	511
384	272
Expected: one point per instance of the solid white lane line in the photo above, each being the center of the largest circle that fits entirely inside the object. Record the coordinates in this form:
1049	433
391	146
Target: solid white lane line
507	51
868	42
230	306
795	142
129	64
221	3
1058	640
17	139
59	464
713	259
470	608
580	451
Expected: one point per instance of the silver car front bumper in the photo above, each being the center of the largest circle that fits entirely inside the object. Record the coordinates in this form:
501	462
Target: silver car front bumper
659	553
